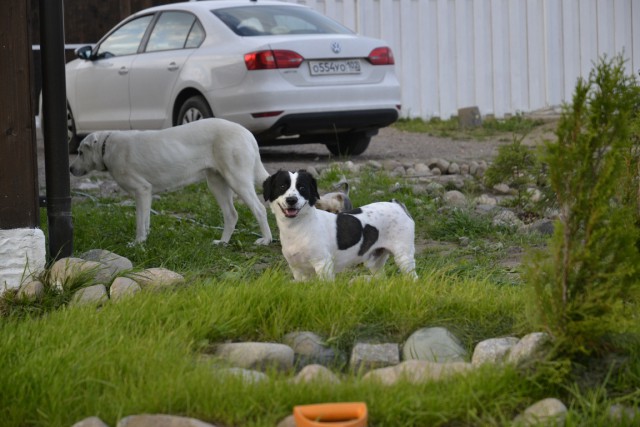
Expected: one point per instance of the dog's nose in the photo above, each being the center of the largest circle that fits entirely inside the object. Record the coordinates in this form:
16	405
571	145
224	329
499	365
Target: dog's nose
291	200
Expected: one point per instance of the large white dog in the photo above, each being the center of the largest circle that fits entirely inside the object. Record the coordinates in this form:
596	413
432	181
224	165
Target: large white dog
145	162
316	242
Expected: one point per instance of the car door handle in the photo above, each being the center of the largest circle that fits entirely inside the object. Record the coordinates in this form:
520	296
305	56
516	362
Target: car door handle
173	66
123	71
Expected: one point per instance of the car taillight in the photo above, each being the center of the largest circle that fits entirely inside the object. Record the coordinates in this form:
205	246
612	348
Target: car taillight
271	59
381	56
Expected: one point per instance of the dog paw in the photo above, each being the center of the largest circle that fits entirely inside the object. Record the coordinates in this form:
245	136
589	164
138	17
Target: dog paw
136	244
263	241
219	242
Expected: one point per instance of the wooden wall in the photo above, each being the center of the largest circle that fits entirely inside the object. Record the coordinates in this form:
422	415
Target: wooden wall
85	21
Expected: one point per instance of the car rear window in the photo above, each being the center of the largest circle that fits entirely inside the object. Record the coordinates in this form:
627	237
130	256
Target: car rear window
277	20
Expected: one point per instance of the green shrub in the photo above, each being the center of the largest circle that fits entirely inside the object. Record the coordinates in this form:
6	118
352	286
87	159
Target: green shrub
518	166
591	270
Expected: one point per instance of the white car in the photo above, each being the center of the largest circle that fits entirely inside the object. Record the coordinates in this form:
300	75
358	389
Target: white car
284	71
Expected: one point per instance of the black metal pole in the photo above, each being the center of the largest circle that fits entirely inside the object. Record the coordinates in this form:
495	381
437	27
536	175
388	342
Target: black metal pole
54	131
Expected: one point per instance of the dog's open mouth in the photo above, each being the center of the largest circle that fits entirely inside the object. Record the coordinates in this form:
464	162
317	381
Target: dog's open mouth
290	212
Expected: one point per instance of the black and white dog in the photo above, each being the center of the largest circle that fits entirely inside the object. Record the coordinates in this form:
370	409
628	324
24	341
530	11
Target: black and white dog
316	242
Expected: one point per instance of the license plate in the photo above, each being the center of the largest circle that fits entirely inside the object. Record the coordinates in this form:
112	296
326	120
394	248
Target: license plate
349	66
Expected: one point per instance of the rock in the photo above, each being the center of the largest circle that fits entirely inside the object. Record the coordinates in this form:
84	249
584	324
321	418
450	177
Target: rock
115	264
157	278
473	167
366	356
530	348
147	420
534	194
546	412
313	373
455	198
66	270
418	190
31	291
506	218
352	167
485	199
435	345
391	164
434	188
91	422
486	209
374	164
542	226
441	164
422	169
480	169
464	169
453	169
122	287
310	348
91	295
502	189
398	171
622	413
493	350
257	355
469	118
289	421
416	372
248	376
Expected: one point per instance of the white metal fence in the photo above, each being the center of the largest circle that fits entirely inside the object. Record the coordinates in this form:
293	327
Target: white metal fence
504	56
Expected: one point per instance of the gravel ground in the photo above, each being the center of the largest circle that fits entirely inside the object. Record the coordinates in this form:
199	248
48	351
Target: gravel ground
390	143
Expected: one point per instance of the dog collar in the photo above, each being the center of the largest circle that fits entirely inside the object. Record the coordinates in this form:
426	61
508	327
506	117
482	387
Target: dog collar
104	145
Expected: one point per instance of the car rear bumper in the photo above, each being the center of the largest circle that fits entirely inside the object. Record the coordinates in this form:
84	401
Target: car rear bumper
305	124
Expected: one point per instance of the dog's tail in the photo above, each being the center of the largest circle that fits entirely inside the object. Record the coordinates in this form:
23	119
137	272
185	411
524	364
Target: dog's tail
259	172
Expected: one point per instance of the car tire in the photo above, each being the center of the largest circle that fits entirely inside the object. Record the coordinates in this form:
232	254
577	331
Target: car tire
194	108
72	137
351	144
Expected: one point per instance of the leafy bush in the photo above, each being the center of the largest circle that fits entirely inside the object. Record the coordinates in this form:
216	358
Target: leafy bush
591	269
518	166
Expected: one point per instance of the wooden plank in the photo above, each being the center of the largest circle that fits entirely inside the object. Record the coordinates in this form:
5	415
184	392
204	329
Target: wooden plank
536	53
570	46
447	58
429	87
518	59
554	54
500	49
465	78
484	56
18	166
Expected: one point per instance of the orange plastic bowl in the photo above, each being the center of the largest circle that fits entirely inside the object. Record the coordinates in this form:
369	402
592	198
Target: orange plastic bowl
348	414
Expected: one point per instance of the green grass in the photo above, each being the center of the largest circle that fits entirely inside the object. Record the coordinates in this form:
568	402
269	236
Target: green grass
59	364
491	128
142	355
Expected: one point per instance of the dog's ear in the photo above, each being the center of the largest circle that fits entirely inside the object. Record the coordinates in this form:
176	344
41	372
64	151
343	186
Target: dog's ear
313	188
266	188
94	138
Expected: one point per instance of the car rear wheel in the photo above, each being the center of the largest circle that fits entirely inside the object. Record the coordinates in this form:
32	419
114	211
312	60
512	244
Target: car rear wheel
72	137
194	108
351	144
